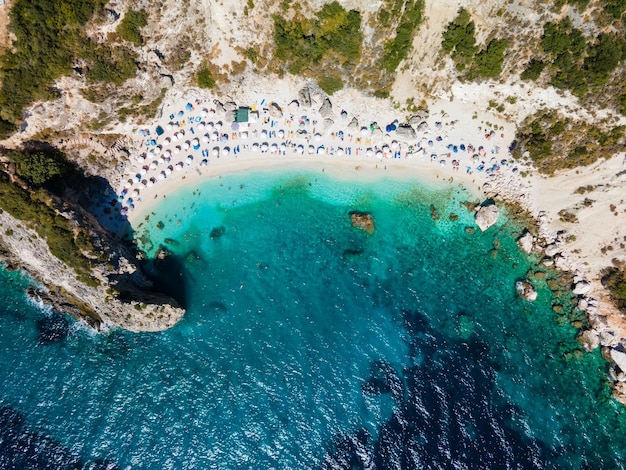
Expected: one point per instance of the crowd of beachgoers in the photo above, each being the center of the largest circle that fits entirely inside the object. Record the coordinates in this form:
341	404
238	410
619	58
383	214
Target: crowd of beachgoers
204	134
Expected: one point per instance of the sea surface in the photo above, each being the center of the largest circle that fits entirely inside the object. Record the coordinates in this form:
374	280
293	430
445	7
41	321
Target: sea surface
309	343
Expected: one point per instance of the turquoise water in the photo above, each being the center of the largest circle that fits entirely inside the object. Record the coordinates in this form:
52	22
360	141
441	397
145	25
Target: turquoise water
311	344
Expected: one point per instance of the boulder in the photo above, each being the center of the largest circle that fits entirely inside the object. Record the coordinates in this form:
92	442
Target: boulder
275	110
328	123
582	304
305	96
582	288
619	357
486	216
589	340
230	106
406	132
326	110
525	242
552	249
526	290
354	124
363	220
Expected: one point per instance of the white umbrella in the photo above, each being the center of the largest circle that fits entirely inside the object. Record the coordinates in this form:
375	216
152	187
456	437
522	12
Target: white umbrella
201	126
215	151
264	134
218	125
137	178
255	147
264	147
167	141
364	130
188	160
204	112
209	125
379	154
143	184
135	192
281	133
369	153
128	184
300	149
283	147
169	127
215	136
225	151
205	138
154	165
174	137
167	154
141	159
320	149
162	175
143	171
195	142
311	149
179	166
318	136
151	181
168	170
244	135
395	145
177	149
153	153
274	148
339	151
186	145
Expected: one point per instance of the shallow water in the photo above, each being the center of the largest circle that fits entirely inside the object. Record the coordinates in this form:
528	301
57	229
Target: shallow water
309	343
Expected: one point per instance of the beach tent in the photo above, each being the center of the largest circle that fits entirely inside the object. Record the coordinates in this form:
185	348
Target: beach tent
159	130
189	107
242	114
390	128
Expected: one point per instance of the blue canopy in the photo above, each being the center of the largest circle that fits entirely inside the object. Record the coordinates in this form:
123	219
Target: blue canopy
391	127
159	130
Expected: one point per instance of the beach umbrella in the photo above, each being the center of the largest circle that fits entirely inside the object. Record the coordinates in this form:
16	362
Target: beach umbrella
204	112
151	181
167	160
175	137
340	134
264	134
189	159
152	153
128	184
168	170
204	162
300	149
369	153
143	184
364	131
209	125
201	126
274	148
379	154
318	136
311	149
281	134
205	138
430	143
167	154
169	127
179	166
154	165
339	151
320	149
186	145
395	145
195	142
385	148
177	149
129	201
188	106
162	175
244	135
124	211
283	147
223	138
141	159
264	147
302	125
344	114
225	151
218	125
167	141
255	147
215	151
215	137
180	113
135	193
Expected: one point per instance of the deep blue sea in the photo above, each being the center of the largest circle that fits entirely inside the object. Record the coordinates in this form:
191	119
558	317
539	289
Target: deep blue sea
309	343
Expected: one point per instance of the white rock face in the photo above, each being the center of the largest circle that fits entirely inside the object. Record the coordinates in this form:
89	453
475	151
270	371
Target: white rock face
589	340
552	249
486	216
525	242
582	288
526	290
619	357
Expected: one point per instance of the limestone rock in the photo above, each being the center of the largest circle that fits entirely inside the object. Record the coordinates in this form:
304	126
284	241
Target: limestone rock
526	290
619	392
589	340
305	96
582	288
582	304
525	242
406	132
354	124
363	220
552	249
326	110
486	216
619	357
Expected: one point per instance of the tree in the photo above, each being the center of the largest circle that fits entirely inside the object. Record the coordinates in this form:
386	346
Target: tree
40	166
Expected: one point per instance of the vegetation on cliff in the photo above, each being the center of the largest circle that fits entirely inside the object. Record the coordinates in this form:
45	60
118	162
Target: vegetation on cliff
460	42
396	50
50	43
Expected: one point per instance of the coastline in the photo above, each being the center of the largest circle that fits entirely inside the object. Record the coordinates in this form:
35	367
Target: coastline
435	157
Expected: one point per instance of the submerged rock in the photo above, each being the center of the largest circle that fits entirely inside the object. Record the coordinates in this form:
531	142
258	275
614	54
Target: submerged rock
486	216
526	290
363	220
217	232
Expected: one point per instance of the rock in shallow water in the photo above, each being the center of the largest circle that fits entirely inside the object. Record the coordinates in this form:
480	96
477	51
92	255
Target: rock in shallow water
525	242
363	220
526	290
486	216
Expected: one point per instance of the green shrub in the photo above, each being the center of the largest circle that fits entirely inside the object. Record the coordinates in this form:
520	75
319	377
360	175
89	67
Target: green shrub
603	58
330	84
302	42
398	48
489	60
533	70
459	39
39	166
205	79
129	27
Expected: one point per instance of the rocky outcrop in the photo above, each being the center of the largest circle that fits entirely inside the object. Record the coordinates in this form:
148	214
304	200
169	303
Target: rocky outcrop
119	295
526	290
486	216
406	132
363	220
326	110
581	288
525	242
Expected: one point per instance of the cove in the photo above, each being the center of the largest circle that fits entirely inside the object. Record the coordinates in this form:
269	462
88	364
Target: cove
309	343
